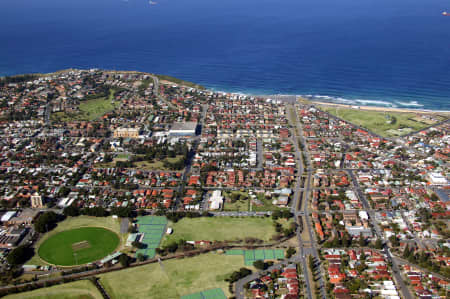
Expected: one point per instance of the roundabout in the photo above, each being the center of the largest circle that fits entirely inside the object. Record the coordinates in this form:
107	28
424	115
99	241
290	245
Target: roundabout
78	246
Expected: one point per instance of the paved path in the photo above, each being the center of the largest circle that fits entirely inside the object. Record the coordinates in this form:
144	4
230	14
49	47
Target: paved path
240	214
156	91
101	288
259	148
124	225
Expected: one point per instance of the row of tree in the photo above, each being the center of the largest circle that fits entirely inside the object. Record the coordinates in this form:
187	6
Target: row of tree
74	211
176	216
424	260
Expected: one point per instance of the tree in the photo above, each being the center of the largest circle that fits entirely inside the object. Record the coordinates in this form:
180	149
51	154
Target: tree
290	252
259	264
346	240
236	275
124	260
71	210
362	257
278	227
64	191
140	257
122	212
95	211
20	255
378	244
286	214
312	263
362	240
138	245
46	222
361	267
407	252
172	247
355	285
276	214
394	241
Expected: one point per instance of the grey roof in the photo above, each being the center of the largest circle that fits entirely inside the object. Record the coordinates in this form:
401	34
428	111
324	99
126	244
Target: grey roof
188	126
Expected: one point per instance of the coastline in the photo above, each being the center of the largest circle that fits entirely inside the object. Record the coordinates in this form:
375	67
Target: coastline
380	109
166	79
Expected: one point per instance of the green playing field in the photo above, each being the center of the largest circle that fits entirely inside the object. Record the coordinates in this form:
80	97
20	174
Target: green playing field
65	248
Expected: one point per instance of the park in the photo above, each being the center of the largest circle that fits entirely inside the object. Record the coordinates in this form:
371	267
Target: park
78	246
79	240
386	124
222	229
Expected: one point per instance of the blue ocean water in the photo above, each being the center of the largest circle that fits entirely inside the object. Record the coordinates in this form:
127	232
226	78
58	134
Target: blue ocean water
382	52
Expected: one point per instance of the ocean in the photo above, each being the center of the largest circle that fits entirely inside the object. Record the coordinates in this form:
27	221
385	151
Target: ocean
366	52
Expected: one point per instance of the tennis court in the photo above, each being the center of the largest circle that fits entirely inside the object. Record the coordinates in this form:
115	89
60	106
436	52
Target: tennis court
250	256
208	294
153	228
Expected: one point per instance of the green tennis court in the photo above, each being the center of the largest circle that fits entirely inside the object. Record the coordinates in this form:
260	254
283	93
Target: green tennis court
153	228
208	294
250	256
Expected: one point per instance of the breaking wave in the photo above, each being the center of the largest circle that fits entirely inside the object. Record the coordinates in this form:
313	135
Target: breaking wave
364	102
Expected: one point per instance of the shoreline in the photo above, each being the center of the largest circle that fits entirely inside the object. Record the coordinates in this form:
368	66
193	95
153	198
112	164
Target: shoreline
381	109
297	96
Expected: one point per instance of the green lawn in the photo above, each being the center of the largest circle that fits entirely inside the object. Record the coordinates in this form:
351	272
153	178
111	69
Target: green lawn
77	222
82	289
174	279
266	205
145	84
90	109
220	228
238	205
244	205
378	122
122	157
96	243
112	164
143	165
156	165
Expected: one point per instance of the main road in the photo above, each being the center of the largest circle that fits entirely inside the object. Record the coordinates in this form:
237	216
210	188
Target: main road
396	270
299	202
156	91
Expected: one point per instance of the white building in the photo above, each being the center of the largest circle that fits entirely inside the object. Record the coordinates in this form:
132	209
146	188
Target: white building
436	178
8	215
216	200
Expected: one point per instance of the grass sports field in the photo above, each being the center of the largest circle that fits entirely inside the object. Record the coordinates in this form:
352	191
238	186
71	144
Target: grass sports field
78	246
220	228
89	109
386	124
243	205
174	278
78	222
82	289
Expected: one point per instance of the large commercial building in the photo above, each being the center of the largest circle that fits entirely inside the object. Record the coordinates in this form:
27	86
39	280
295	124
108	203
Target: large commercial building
126	133
435	178
183	129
